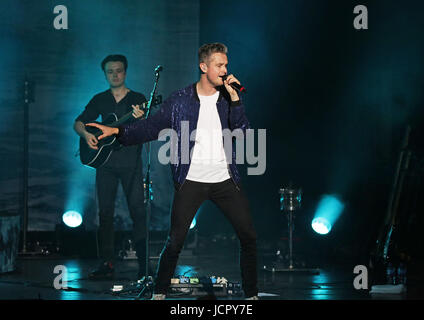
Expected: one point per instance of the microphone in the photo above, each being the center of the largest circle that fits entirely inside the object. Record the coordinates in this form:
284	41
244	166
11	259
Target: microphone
235	85
158	68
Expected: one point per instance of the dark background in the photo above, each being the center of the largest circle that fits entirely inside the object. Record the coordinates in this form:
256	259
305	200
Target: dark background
335	102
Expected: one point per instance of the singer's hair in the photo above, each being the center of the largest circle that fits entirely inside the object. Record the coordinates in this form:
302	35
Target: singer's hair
115	57
208	49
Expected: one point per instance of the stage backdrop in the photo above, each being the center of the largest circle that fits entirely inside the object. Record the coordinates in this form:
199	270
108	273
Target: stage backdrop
64	65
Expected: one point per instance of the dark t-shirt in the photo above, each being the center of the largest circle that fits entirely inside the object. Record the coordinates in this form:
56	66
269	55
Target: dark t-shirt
103	104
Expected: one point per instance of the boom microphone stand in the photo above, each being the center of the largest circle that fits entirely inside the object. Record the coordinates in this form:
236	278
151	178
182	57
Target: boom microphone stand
147	282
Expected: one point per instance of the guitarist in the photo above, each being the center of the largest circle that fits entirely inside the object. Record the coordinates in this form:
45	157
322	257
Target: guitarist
124	165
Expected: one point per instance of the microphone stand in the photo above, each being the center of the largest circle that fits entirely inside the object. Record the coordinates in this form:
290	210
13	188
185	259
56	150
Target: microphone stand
147	281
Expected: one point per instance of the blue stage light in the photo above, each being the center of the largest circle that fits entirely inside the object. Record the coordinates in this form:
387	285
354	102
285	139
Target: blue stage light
72	218
321	225
193	223
328	211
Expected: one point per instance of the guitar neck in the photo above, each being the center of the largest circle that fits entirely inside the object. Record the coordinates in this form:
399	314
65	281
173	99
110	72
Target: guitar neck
143	106
127	116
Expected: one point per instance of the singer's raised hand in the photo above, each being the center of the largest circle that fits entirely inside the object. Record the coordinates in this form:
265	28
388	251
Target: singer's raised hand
106	131
233	92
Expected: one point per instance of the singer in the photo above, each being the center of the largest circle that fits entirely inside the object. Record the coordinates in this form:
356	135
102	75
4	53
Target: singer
210	104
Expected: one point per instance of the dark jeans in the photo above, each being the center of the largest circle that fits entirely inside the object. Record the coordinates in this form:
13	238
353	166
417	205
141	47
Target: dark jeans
234	204
107	180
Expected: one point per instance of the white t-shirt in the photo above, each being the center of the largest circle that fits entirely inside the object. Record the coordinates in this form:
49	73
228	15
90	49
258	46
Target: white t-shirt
208	162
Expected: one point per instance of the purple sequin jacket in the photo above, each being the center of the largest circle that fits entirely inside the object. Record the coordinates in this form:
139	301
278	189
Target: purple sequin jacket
180	109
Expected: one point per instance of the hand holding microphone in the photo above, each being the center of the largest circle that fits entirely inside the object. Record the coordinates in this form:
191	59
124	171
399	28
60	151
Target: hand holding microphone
230	80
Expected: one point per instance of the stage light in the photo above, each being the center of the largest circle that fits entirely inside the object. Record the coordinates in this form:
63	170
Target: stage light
328	211
72	218
193	223
321	225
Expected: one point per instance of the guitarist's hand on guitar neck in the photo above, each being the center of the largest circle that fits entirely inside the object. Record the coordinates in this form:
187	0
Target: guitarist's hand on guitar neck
106	131
137	112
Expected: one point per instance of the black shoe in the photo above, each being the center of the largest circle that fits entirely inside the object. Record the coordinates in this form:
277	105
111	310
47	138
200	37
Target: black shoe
104	272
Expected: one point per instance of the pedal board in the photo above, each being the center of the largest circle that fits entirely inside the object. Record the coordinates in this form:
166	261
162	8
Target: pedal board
200	287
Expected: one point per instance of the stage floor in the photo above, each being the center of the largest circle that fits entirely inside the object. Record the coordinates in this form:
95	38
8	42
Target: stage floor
34	279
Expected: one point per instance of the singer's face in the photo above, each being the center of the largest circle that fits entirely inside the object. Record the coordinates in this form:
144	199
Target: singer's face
115	73
215	68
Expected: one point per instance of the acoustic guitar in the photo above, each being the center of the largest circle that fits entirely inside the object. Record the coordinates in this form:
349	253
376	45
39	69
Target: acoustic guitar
97	158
